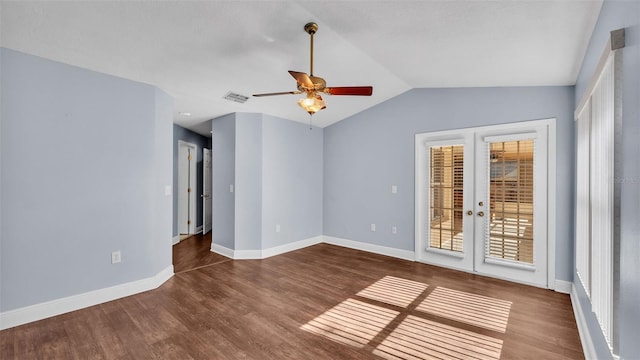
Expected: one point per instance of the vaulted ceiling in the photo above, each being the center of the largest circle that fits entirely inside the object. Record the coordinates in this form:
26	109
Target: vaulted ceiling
197	51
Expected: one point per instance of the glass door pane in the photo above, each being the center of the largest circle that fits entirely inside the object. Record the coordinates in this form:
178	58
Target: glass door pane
446	197
510	229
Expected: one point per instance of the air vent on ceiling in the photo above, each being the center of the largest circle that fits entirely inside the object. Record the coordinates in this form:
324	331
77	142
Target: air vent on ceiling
236	97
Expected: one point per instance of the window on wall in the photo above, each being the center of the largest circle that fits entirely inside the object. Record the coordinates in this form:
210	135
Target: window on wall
597	117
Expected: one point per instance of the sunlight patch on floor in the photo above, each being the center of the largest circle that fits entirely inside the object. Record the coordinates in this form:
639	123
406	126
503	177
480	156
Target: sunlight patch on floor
394	291
486	312
412	335
351	322
417	338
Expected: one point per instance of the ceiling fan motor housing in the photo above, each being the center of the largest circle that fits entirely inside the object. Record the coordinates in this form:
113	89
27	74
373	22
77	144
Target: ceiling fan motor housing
311	28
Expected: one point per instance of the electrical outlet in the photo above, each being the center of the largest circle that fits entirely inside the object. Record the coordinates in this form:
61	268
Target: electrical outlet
373	227
277	227
394	189
394	230
116	257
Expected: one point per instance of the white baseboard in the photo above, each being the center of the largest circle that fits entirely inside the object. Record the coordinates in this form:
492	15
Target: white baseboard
585	336
222	250
199	229
563	286
281	249
382	250
48	309
247	254
263	254
176	239
237	254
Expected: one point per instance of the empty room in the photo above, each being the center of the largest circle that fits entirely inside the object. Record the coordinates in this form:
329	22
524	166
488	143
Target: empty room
320	179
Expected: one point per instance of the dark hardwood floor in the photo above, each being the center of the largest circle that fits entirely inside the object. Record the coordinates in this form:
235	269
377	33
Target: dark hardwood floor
321	302
194	252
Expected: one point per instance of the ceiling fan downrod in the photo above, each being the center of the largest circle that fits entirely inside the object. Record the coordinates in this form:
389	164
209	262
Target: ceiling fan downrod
311	29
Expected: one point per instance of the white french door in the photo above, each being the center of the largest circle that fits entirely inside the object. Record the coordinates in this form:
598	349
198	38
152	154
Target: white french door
446	232
481	200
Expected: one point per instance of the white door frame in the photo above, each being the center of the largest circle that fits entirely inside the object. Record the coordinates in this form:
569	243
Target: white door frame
186	180
421	210
207	190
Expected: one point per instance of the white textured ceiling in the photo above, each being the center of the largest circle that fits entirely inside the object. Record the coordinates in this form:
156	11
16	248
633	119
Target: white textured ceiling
197	51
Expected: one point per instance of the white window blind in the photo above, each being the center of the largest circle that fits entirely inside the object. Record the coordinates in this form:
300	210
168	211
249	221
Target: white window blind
583	207
595	208
601	195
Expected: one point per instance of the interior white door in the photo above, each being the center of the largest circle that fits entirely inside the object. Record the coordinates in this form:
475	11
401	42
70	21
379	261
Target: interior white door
206	191
183	186
186	187
481	201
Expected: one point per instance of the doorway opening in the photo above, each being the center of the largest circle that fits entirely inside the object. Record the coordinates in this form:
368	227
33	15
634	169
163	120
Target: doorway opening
186	189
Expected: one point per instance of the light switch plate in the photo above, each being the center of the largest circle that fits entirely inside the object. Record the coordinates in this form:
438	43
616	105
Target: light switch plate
116	257
394	189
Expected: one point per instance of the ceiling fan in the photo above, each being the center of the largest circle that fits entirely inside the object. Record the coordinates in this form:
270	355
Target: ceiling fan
312	85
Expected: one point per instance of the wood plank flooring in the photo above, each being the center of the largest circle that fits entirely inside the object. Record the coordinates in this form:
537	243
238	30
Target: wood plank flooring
194	252
321	302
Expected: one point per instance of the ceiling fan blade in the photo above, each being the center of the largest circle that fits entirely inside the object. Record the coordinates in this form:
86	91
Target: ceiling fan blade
350	90
301	78
278	93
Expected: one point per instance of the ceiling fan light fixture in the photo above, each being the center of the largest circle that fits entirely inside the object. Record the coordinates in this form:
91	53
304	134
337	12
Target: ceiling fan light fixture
312	104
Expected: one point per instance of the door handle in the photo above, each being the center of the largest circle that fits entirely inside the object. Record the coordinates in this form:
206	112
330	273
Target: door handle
481	213
469	212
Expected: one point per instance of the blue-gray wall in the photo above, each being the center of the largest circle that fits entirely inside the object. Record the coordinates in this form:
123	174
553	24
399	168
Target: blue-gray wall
85	161
248	188
369	152
291	181
180	133
615	15
276	167
224	174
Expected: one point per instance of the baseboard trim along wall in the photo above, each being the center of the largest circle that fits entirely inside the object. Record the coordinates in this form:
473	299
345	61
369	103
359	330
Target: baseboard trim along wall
281	249
48	309
247	254
277	250
222	250
563	286
376	249
585	336
176	239
263	254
